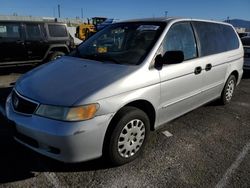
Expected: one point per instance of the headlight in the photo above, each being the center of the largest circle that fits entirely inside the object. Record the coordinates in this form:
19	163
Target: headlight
78	113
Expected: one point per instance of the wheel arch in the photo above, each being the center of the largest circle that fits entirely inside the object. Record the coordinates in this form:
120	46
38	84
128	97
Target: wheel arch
236	74
143	105
61	48
148	108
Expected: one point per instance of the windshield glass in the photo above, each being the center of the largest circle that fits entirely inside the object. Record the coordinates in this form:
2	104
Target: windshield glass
121	43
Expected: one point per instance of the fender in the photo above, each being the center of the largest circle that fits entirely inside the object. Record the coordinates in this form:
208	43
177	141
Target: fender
55	46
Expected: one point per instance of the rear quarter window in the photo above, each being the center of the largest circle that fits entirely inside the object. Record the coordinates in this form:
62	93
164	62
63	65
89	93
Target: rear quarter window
215	38
9	30
230	37
56	30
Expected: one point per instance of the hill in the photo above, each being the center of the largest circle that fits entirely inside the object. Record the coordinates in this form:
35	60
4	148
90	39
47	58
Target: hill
239	23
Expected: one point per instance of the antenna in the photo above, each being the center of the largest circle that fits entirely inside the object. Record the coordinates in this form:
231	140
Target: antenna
166	14
82	13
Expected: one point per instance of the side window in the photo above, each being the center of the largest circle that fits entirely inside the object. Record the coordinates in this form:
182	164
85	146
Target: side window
230	37
9	30
215	38
33	31
180	37
211	38
57	30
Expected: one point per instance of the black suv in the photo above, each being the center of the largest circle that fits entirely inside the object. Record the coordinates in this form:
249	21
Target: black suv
24	42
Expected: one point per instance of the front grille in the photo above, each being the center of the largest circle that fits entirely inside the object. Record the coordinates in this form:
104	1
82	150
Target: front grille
22	104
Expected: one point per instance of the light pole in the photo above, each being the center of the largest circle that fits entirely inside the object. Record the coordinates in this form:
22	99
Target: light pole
82	13
59	11
166	13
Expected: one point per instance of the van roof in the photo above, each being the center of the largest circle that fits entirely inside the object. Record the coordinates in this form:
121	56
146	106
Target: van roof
168	19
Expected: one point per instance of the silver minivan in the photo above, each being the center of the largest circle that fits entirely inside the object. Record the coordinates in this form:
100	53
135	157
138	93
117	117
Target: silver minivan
123	82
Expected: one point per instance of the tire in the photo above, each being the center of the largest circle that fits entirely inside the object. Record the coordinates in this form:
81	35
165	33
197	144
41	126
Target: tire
228	91
55	55
128	136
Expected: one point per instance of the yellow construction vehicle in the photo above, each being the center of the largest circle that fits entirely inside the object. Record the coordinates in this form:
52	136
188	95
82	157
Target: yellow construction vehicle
85	30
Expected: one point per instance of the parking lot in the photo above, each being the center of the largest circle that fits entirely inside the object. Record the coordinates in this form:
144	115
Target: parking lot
208	147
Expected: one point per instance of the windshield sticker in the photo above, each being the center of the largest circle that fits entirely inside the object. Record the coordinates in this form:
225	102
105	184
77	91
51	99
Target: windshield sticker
148	28
3	29
102	50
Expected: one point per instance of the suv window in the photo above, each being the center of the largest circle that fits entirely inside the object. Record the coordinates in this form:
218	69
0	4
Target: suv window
33	31
180	37
215	38
57	30
9	30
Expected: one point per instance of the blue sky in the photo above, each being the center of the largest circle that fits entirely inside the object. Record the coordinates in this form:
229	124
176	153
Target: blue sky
126	9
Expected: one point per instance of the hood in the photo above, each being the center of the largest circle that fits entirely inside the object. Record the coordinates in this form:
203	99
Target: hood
69	79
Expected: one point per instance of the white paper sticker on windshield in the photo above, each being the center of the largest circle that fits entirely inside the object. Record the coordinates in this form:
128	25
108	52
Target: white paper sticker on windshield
148	27
3	29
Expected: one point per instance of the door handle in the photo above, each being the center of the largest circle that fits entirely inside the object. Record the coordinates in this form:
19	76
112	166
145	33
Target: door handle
197	70
208	67
20	42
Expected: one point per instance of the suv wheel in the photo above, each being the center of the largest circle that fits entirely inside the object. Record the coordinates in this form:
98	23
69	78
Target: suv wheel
129	135
228	90
56	55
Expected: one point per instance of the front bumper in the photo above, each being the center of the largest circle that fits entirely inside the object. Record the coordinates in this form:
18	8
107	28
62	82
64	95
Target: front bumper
64	141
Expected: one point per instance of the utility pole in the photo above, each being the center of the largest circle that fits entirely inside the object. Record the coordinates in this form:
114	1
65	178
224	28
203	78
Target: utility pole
166	14
82	13
59	11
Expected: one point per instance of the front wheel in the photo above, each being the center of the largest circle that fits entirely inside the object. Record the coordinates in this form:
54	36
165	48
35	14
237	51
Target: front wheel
228	91
129	135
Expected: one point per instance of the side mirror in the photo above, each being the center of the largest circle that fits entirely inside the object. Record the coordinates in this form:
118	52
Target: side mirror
170	57
173	57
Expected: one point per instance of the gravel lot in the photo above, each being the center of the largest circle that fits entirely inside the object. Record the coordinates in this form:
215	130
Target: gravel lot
208	147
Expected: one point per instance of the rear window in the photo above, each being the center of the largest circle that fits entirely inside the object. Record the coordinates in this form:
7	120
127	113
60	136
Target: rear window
57	30
215	38
9	30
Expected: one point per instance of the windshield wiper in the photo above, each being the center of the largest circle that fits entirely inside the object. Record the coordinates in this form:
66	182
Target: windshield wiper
102	58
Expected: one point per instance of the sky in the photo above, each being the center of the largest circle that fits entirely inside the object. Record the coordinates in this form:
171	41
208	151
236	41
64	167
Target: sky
127	9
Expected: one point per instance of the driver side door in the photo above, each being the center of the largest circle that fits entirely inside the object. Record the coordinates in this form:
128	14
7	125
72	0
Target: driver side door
180	83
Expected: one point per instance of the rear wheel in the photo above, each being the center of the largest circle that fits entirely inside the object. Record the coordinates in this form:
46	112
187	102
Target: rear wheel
55	55
228	90
129	135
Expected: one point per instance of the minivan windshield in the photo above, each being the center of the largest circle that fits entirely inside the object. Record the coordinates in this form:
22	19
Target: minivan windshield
121	43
